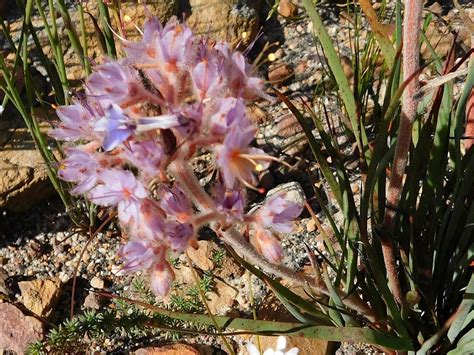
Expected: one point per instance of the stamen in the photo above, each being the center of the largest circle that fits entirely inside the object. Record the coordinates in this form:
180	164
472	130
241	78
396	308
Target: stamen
246	184
115	33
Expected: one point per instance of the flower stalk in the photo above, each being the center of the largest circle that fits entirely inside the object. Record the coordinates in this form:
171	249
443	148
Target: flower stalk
411	58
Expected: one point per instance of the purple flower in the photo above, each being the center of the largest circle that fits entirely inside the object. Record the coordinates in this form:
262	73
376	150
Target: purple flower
230	202
121	188
206	78
278	214
179	235
237	161
146	50
80	167
75	123
116	125
146	156
230	110
117	82
138	255
176	205
174	44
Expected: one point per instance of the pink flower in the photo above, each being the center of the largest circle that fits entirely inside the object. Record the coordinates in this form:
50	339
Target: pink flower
120	188
238	161
179	235
75	123
148	256
238	73
150	223
174	44
80	167
230	202
139	255
230	110
161	277
278	214
176	205
117	82
207	78
146	50
267	245
146	156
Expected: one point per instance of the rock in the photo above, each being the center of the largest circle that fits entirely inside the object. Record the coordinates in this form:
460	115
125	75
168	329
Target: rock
173	349
23	177
280	73
202	256
293	190
440	38
97	283
163	9
256	114
311	225
287	9
93	301
222	299
17	330
229	269
40	296
284	134
231	20
302	68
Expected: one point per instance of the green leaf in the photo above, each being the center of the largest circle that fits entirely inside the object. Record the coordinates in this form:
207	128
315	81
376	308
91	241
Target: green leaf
380	32
337	70
261	327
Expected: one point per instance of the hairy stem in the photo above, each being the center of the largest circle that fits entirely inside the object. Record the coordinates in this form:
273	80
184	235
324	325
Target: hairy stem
234	239
190	185
411	58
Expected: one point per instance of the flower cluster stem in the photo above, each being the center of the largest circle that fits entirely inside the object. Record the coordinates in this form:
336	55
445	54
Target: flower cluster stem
411	59
191	186
234	239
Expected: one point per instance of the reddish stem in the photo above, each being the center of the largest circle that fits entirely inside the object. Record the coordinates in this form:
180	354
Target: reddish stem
411	58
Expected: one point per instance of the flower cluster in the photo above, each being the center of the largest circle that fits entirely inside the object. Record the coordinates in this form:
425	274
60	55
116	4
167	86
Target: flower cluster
171	95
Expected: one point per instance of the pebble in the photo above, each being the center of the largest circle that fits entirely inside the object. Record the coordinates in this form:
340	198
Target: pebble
97	283
287	8
280	73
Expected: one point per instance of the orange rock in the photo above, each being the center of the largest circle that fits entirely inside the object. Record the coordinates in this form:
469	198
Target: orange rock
172	349
287	9
280	73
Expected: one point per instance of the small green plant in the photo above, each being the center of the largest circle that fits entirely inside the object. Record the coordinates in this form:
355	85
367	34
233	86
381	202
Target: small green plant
217	257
